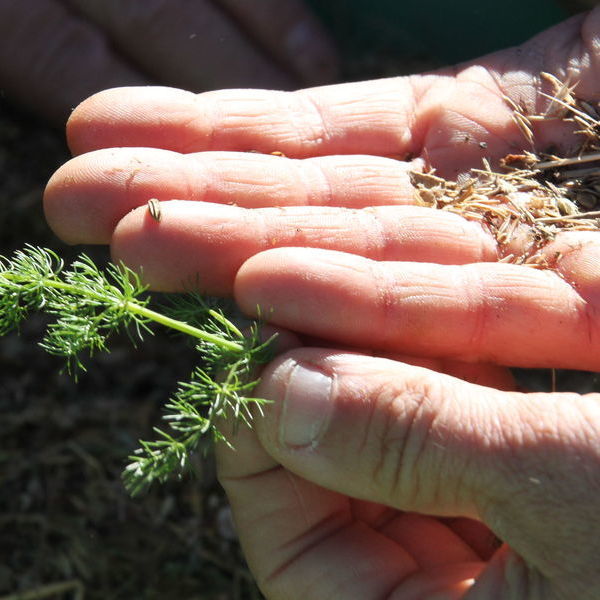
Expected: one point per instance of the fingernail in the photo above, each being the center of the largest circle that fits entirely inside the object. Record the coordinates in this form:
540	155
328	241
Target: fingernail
313	56
307	407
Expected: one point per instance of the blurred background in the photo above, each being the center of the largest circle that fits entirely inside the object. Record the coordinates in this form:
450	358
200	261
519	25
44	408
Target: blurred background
68	530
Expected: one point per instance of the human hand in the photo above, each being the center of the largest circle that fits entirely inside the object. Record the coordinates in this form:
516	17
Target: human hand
55	53
515	462
138	143
369	478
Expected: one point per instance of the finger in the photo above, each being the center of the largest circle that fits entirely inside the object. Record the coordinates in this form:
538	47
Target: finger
87	196
490	312
51	53
193	45
290	32
489	375
203	245
300	124
577	258
452	118
388	117
475	534
428	540
299	536
268	501
428	443
279	515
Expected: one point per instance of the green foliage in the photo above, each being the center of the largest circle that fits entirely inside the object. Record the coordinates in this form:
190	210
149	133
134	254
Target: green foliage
89	304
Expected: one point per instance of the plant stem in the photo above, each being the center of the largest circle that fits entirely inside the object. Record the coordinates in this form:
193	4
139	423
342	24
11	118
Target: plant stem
143	311
182	326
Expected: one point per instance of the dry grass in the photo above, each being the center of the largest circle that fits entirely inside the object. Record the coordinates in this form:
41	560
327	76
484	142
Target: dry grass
531	197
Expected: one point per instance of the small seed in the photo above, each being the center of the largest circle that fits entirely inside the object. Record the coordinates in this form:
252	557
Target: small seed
154	209
566	207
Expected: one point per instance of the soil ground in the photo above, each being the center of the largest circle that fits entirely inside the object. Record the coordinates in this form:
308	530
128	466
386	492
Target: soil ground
65	519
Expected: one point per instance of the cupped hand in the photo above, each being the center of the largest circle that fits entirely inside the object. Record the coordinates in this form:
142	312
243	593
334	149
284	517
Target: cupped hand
370	478
422	281
55	53
369	269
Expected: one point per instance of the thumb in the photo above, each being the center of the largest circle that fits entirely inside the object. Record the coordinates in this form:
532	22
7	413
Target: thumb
421	441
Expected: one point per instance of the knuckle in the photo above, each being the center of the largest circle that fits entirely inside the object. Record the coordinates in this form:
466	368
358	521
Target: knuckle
398	433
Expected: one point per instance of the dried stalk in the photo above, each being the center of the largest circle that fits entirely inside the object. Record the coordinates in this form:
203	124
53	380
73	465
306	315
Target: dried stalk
543	193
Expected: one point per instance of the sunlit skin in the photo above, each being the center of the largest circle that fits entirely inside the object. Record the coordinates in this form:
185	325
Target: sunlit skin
422	463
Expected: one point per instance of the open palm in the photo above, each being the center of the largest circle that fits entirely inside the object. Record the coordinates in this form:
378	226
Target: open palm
326	240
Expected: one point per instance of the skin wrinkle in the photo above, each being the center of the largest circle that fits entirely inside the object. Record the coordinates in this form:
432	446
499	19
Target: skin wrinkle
292	561
415	446
376	236
437	87
350	190
322	133
198	170
240	117
589	318
400	475
478	301
326	526
386	300
224	481
438	436
207	129
308	134
477	126
442	459
411	119
324	192
234	185
378	436
496	88
586	312
368	426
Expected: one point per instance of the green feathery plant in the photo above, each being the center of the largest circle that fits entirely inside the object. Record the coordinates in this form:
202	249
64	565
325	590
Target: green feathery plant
89	304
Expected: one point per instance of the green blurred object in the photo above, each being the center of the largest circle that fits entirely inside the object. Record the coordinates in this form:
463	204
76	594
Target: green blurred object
447	32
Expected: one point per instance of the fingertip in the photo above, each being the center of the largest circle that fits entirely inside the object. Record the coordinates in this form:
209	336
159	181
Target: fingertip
578	261
263	280
249	281
138	242
130	116
84	128
62	211
319	292
189	247
85	198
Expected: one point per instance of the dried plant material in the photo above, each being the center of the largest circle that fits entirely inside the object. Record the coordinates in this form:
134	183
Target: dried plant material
562	97
533	195
154	209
